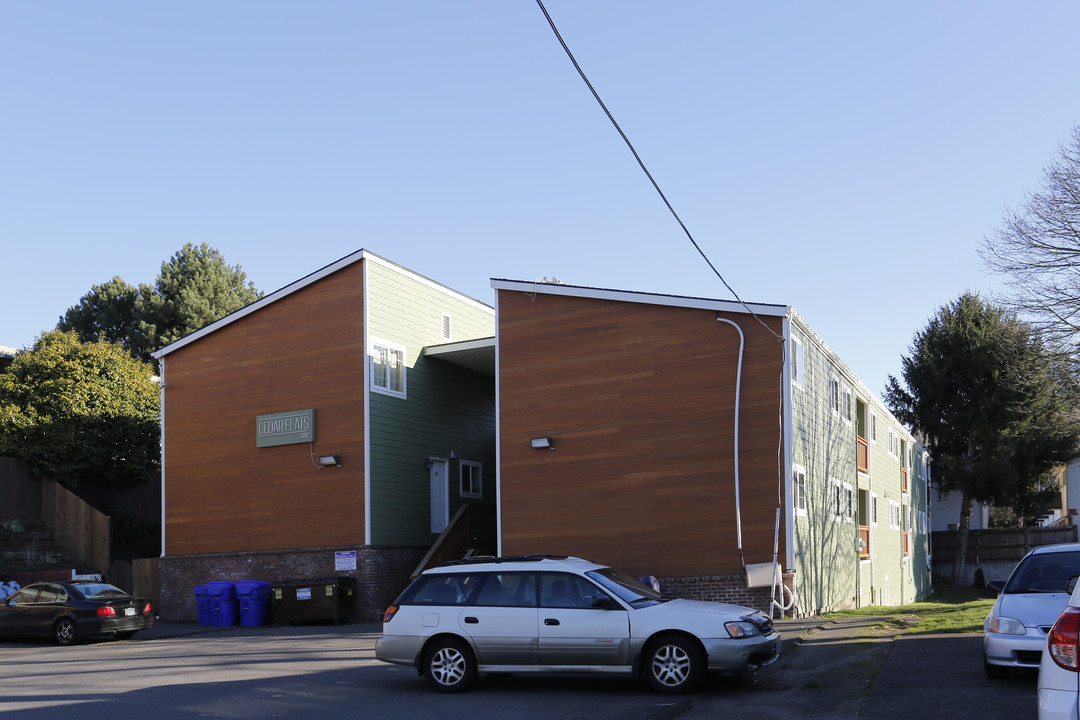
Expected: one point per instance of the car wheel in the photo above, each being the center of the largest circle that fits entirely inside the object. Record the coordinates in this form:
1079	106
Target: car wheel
674	664
449	665
994	672
64	631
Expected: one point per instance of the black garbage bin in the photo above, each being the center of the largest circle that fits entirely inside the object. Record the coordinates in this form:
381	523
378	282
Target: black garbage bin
312	600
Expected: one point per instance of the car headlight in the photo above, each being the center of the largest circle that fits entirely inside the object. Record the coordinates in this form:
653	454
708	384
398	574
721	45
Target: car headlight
741	628
1006	626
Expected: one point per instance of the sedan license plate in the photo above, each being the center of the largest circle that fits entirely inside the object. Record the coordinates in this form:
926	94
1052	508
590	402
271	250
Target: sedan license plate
129	611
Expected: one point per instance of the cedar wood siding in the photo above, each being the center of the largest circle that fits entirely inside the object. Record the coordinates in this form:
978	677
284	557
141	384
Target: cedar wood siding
222	494
640	401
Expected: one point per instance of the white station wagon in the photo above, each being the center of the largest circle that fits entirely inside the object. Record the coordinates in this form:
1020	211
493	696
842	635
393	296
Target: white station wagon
543	613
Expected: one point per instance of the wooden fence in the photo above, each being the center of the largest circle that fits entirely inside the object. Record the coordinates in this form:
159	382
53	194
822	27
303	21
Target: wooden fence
20	493
75	525
992	554
145	581
1008	545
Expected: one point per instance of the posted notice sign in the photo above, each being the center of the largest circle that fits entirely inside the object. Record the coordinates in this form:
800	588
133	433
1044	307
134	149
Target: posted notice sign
345	560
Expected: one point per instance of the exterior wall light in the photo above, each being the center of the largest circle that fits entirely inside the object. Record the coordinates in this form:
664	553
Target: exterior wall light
541	443
327	460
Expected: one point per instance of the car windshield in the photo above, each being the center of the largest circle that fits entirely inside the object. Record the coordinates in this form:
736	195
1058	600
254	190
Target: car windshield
1044	573
97	591
628	589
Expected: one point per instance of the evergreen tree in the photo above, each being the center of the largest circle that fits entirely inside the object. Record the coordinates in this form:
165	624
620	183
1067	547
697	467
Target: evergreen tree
997	408
194	288
108	312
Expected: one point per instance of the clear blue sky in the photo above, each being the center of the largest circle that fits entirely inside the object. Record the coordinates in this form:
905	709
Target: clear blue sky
843	158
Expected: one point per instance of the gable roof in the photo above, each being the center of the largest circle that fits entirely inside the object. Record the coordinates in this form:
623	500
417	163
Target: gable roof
302	283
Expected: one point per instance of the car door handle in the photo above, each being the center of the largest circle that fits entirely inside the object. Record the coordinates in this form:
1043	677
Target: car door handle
470	620
551	621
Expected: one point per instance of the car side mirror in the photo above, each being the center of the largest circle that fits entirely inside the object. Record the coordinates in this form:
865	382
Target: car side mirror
1071	584
996	586
602	603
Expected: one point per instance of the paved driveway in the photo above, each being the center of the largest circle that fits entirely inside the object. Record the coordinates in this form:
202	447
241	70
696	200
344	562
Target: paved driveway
846	669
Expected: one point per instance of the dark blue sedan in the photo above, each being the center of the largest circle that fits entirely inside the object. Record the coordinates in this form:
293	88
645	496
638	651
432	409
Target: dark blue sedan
72	611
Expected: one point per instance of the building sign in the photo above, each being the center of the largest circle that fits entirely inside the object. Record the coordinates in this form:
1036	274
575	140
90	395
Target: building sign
285	428
344	560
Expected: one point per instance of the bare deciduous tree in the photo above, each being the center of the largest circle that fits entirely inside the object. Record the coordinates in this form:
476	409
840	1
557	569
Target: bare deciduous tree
1037	248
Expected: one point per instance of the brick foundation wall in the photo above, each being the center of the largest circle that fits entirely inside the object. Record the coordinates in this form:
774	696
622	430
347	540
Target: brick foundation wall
381	574
723	588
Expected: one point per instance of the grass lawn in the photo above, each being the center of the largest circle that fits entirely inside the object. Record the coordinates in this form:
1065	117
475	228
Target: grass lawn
949	610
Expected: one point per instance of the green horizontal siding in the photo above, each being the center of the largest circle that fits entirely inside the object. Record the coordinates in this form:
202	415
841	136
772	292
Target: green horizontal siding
446	408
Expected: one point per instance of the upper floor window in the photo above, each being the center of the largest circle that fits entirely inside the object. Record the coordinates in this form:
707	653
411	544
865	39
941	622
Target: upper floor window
840	398
798	368
894	444
873	427
387	367
471	481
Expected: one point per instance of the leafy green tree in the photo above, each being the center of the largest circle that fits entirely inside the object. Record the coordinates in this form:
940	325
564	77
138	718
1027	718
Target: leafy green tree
194	288
81	413
998	409
110	311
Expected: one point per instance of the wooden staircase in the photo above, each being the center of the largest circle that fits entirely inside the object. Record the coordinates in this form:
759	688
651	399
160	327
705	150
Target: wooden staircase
472	531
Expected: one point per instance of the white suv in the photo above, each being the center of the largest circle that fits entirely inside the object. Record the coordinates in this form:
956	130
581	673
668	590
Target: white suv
1059	672
543	613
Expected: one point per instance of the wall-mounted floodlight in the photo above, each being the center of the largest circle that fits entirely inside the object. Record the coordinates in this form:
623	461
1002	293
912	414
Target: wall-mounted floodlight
542	443
327	460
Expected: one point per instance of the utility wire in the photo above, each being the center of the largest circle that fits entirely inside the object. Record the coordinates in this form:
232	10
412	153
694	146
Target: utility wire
648	174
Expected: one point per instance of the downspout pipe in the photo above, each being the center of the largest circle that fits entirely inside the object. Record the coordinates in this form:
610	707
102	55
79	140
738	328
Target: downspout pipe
738	393
161	447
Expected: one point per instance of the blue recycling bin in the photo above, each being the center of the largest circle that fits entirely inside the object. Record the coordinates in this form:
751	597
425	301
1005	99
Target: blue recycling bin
224	611
254	599
202	604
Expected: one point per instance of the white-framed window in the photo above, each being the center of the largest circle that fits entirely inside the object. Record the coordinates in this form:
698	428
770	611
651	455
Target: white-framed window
847	497
798	489
873	509
836	501
873	427
387	367
922	522
472	485
840	398
447	327
798	362
894	515
894	444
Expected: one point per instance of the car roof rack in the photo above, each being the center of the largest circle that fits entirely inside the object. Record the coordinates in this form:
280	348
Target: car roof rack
478	559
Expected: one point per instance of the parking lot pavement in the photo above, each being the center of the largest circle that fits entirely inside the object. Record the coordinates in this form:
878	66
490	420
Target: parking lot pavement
828	670
856	668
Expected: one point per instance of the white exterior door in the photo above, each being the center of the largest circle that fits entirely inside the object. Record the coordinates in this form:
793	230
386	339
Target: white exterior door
440	494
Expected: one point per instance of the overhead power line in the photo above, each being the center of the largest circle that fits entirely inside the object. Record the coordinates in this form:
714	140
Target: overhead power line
644	169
